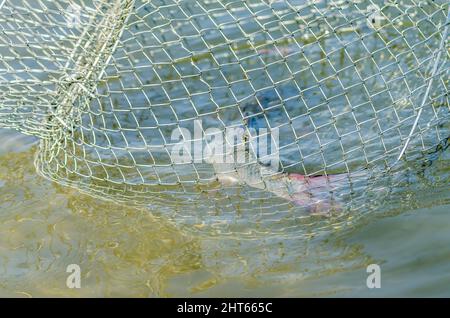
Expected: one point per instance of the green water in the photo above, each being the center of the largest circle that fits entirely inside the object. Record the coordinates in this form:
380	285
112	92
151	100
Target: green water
125	252
198	241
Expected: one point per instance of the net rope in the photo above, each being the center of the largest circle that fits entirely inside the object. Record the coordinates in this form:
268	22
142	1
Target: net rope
343	92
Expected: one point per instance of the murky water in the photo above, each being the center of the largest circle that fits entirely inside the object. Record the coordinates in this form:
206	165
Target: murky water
203	239
127	252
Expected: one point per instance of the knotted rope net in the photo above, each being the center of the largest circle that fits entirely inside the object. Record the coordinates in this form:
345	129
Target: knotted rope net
134	100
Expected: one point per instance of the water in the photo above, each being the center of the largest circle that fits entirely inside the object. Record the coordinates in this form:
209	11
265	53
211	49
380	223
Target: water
127	252
204	239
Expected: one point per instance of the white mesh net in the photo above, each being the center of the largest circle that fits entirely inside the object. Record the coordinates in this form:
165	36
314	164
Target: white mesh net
134	100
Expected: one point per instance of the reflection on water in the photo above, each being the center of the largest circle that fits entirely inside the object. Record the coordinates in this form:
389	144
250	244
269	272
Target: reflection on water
127	252
308	75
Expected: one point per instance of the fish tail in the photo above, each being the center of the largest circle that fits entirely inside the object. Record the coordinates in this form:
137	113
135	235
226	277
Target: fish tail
433	155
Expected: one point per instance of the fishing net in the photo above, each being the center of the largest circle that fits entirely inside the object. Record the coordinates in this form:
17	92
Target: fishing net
152	103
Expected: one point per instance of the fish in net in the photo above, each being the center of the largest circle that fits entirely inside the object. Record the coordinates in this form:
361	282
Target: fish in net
133	100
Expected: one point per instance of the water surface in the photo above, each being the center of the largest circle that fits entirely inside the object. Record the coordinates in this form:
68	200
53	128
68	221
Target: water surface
127	252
